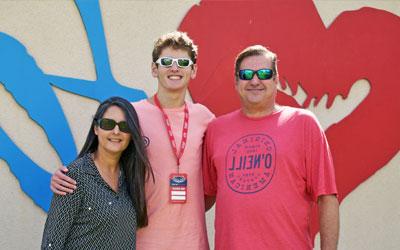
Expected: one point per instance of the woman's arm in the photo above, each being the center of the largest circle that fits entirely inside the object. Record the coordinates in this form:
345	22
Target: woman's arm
62	213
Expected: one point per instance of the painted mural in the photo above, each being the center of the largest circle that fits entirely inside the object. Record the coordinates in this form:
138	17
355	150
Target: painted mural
32	89
324	63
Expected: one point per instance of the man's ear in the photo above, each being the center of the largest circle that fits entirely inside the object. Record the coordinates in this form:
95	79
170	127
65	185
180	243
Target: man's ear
154	70
236	84
276	78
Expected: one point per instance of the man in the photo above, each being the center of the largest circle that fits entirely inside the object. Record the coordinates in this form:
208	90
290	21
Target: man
173	130
266	165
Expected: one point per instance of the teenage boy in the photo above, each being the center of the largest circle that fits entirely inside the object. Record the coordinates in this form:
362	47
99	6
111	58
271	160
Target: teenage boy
173	131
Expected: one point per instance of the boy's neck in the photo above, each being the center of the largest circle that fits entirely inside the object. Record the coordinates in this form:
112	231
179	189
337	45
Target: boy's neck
171	99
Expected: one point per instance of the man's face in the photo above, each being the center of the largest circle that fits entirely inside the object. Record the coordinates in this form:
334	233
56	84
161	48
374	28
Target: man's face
173	78
256	93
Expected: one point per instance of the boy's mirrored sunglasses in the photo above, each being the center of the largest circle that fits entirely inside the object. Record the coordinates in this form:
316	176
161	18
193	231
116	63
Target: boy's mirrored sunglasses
262	74
168	61
109	124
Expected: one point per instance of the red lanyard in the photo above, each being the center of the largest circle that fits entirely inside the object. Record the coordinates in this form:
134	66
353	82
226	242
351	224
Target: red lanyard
171	135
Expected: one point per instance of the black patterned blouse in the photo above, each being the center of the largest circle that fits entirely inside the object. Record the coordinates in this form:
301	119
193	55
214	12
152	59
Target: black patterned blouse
93	216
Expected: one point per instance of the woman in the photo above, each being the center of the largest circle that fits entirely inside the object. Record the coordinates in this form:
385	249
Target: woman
109	203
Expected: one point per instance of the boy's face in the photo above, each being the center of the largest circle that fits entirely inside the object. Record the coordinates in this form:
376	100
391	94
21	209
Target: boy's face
173	78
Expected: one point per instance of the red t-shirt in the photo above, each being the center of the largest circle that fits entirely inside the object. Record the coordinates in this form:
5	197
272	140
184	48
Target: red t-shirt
266	174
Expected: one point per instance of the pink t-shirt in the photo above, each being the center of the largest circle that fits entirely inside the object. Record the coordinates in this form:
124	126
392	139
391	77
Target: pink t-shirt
173	226
266	173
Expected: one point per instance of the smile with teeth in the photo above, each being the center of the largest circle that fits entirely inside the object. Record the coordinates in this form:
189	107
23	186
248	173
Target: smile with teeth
175	77
114	140
254	90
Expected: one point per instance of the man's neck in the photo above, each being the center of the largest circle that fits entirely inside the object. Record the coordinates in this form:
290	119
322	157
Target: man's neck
171	99
258	112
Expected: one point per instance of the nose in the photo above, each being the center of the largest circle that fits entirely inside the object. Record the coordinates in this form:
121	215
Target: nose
174	66
116	129
255	80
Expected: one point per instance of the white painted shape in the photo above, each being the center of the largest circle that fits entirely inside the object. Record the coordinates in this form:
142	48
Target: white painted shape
300	95
340	108
287	90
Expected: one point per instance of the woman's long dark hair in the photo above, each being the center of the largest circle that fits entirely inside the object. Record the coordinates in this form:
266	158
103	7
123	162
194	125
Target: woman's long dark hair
133	161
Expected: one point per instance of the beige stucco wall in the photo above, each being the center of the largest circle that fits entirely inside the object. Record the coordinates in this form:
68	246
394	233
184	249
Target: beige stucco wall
53	33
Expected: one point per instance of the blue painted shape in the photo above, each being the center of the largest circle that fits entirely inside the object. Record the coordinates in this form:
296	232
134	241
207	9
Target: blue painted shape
91	16
105	84
28	85
33	179
32	90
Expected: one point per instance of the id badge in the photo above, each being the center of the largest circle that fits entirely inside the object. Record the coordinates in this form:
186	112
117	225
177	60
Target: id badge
178	188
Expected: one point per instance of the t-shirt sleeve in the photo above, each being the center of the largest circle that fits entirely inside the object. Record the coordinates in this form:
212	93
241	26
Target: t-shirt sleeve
209	171
208	116
320	169
63	210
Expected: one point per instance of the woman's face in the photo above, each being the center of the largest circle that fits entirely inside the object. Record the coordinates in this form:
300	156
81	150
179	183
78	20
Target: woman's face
112	141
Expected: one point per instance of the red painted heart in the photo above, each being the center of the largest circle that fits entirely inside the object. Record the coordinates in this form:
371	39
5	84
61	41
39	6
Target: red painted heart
362	44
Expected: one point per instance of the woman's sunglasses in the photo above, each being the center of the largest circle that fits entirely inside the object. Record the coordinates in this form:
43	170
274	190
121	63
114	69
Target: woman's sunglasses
109	124
262	74
168	61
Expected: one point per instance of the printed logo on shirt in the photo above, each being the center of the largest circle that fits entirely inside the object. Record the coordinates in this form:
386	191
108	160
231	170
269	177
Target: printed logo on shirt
146	141
250	163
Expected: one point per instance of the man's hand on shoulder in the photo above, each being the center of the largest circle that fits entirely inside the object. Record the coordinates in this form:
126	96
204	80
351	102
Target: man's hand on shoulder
60	183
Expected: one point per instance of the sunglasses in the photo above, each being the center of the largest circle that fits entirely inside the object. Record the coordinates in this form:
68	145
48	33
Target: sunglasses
109	124
262	74
168	61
